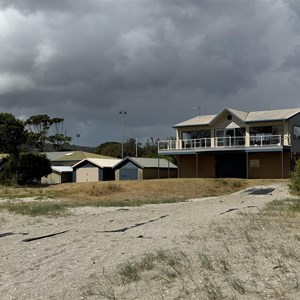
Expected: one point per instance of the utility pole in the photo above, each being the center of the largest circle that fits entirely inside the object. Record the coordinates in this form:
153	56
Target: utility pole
123	113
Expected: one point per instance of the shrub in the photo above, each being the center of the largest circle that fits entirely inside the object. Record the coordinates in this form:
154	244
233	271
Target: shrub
295	179
24	169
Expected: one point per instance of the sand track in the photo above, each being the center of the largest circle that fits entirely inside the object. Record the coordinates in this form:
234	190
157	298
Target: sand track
56	267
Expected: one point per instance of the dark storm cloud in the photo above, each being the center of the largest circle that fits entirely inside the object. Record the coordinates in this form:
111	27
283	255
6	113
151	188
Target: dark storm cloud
36	6
86	59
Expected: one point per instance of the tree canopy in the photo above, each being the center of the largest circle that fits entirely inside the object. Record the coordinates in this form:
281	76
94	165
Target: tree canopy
40	128
12	134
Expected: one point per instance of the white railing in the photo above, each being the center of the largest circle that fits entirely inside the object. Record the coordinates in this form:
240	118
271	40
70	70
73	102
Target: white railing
266	140
223	142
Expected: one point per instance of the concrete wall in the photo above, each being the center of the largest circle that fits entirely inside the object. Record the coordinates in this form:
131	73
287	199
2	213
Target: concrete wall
268	165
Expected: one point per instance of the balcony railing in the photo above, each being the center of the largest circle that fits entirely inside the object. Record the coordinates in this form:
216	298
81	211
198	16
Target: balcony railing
223	142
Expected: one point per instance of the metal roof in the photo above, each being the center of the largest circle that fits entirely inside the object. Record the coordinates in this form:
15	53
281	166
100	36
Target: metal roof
62	169
200	120
72	155
272	115
101	162
80	155
144	162
247	117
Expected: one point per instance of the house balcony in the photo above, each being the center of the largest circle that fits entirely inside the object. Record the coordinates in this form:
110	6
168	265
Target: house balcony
254	142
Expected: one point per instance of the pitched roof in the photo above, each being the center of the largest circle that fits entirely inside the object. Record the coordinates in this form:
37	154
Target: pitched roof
254	116
100	162
272	115
72	155
144	162
200	120
62	169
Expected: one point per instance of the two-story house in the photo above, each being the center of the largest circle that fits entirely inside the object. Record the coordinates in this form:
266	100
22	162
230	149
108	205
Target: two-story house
234	143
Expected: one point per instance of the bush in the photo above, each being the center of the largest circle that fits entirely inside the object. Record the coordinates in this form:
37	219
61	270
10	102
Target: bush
295	179
27	168
9	170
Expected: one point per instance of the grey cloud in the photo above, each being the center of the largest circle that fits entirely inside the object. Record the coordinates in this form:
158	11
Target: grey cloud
28	7
85	59
292	61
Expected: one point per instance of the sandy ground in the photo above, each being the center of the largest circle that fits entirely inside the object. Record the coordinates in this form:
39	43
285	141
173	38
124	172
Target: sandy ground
98	239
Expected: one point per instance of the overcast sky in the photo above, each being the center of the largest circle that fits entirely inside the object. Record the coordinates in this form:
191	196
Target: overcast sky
84	60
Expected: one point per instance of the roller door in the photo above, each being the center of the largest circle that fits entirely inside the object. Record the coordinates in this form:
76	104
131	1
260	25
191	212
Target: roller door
128	174
87	175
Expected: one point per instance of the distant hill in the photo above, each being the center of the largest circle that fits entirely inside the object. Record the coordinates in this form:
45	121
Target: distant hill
50	148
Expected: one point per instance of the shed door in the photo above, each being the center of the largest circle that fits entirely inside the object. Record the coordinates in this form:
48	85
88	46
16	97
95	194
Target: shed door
128	174
87	174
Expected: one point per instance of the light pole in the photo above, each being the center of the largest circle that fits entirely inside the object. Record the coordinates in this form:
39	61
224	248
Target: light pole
136	147
77	136
123	112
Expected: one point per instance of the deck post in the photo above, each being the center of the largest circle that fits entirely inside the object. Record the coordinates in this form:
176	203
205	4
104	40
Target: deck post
247	169
282	163
178	166
197	165
158	166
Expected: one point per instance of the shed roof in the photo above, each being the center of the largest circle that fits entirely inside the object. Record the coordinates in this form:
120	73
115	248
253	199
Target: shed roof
144	162
72	155
247	117
100	162
62	169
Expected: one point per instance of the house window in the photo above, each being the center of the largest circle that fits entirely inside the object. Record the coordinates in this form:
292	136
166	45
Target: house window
267	130
260	130
296	133
266	135
199	134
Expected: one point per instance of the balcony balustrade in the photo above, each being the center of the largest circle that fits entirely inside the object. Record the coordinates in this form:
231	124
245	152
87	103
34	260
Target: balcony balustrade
223	142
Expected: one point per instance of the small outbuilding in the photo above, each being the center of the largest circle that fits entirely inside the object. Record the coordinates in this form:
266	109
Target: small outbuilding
94	169
137	168
60	174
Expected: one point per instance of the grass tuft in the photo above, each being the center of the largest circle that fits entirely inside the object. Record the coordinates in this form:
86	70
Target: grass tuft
37	209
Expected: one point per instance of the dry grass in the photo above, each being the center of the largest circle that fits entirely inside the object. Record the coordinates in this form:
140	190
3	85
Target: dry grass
181	189
54	199
247	256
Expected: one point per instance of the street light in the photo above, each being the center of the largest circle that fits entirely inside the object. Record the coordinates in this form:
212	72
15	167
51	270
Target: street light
77	136
123	113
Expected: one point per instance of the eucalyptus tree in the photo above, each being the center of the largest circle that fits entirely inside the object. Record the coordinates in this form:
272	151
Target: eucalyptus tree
12	134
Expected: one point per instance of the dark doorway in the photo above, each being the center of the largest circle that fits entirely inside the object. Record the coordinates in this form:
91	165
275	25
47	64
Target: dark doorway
231	165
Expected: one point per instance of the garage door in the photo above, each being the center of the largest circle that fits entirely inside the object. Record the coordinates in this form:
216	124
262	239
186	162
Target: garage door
128	174
231	165
87	174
